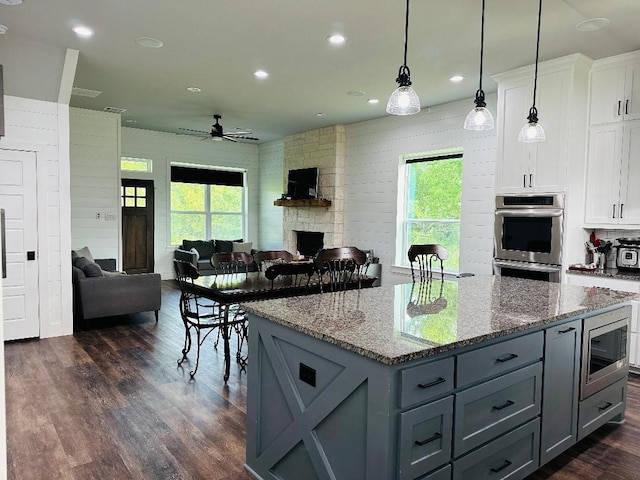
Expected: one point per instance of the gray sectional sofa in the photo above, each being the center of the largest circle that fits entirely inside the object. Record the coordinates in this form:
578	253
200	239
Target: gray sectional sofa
98	291
199	252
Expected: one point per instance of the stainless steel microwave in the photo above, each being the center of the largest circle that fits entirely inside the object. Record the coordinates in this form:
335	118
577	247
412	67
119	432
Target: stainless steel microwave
528	228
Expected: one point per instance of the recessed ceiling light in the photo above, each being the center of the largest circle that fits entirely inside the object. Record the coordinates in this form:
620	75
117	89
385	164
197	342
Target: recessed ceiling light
337	39
373	101
82	31
260	74
3	29
593	24
456	78
194	89
149	42
355	93
10	2
130	120
320	114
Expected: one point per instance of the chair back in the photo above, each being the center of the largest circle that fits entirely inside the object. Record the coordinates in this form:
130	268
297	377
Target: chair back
296	274
270	255
232	262
341	268
424	300
186	273
422	257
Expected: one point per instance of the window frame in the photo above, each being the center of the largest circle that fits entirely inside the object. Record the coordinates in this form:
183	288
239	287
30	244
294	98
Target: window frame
402	221
207	212
147	161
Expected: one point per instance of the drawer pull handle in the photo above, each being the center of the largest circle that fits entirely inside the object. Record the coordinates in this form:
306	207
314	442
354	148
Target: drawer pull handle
605	406
506	464
506	404
507	358
435	436
570	329
432	384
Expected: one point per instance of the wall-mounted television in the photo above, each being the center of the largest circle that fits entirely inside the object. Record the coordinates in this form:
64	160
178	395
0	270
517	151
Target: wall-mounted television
302	183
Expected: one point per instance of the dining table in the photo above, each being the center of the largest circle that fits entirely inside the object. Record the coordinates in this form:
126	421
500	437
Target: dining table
231	289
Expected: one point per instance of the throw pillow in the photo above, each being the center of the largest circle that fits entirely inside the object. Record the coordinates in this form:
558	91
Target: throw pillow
195	252
84	252
81	262
224	246
206	249
92	270
241	247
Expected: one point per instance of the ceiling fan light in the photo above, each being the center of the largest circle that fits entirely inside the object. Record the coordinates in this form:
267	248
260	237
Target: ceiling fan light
479	118
403	101
532	132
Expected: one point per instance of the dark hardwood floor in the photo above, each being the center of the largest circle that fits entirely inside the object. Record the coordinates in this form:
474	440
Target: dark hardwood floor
111	403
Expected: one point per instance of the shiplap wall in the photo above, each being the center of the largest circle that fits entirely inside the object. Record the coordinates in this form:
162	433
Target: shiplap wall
43	127
271	188
95	182
164	148
374	149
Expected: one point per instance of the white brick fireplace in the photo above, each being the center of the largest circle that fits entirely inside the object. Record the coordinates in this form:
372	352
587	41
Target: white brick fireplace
323	148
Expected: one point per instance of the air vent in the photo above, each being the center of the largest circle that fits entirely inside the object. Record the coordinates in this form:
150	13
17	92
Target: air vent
85	92
114	109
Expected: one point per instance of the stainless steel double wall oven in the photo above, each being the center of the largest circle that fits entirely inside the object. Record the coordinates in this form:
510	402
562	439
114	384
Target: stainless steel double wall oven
528	236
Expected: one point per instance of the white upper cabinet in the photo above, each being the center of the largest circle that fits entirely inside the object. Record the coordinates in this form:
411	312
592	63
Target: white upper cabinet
615	90
539	167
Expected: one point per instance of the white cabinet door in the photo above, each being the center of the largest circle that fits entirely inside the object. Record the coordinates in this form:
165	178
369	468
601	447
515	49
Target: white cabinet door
603	174
630	175
632	93
607	94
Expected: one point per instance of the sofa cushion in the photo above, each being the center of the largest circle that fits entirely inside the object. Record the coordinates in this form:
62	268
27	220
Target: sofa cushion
92	270
81	262
242	247
205	248
226	246
114	273
84	252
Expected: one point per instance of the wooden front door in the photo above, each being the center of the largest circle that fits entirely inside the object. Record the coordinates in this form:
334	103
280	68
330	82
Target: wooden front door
137	225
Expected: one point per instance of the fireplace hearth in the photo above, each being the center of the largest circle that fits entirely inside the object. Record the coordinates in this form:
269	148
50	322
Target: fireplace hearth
309	243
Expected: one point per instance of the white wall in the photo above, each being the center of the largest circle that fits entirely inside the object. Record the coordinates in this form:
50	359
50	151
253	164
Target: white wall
271	188
374	149
95	182
164	148
42	127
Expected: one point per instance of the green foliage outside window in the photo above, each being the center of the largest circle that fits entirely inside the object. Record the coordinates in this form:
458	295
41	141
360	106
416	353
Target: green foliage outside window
434	194
441	327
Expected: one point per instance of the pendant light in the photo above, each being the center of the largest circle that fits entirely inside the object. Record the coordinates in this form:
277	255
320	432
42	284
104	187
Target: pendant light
532	130
404	100
480	118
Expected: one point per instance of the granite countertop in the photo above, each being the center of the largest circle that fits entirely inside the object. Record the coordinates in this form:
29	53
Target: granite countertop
609	273
397	323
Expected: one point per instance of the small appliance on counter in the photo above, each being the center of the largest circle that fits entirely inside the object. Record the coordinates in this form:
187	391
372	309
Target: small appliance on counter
627	255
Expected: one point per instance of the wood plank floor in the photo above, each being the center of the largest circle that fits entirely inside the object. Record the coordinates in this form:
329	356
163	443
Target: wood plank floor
111	403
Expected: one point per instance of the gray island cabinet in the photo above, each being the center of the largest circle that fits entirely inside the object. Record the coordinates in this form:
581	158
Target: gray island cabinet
475	379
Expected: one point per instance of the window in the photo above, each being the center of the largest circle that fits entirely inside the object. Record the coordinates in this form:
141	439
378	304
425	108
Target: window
136	164
431	205
206	203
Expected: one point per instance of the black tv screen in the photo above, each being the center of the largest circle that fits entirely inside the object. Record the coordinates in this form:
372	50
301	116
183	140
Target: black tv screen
302	183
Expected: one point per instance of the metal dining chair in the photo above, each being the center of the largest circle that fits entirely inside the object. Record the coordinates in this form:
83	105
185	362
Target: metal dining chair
232	262
266	258
297	275
202	315
342	268
422	257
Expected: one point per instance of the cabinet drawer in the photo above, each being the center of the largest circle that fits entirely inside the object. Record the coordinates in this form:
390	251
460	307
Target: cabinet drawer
442	474
515	455
496	359
491	408
601	407
419	384
425	438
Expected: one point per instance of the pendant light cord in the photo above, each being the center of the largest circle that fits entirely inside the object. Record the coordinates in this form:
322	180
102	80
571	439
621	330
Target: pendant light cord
406	33
481	45
535	75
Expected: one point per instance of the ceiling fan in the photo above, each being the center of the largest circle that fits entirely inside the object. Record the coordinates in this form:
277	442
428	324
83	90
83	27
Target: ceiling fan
218	133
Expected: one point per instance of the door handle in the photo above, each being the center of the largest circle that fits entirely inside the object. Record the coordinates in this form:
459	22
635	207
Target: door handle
31	255
621	207
626	107
613	215
619	105
530	179
524	180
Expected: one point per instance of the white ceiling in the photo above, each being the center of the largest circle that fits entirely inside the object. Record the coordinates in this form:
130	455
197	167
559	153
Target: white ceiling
217	44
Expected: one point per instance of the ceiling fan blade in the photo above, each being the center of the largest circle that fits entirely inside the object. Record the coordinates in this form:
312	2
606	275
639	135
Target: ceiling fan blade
231	139
246	138
239	132
195	131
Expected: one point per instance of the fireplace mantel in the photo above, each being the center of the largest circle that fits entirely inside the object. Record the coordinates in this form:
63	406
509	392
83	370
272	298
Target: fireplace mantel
306	202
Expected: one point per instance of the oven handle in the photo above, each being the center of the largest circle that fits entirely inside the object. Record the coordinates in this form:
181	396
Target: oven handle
531	212
536	267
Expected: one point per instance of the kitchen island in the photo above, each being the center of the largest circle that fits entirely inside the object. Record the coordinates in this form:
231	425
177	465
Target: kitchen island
478	378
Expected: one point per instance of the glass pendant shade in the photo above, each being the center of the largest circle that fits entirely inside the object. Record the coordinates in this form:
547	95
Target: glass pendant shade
479	119
403	101
532	132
